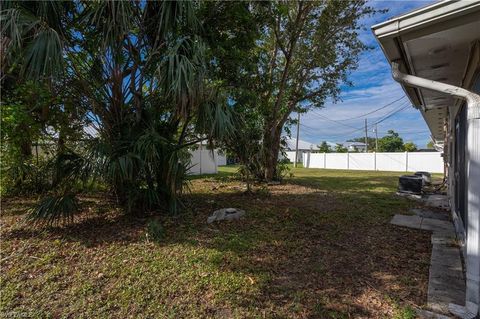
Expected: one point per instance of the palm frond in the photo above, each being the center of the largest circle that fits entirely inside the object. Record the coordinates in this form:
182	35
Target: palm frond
215	118
54	209
182	73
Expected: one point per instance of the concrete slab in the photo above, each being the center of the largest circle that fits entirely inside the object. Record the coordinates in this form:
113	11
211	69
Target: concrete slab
446	282
444	238
424	314
407	221
437	225
445	258
426	213
437	200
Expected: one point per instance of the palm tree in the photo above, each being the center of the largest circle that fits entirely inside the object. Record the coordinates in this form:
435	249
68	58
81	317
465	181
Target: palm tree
139	69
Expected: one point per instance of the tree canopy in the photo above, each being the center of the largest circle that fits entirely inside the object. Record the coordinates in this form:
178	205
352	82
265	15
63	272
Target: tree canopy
303	55
391	142
324	147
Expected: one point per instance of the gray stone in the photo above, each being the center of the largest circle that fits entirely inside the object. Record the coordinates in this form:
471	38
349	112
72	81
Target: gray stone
226	214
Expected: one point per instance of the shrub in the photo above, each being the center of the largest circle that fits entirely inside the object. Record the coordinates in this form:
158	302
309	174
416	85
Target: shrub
155	230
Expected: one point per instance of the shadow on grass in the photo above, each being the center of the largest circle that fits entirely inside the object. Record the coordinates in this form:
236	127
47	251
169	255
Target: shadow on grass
311	252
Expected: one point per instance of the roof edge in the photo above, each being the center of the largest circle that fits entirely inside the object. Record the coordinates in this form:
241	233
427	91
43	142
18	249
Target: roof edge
445	9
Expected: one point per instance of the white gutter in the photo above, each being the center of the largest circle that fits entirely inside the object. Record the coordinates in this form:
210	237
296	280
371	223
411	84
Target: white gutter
472	259
428	15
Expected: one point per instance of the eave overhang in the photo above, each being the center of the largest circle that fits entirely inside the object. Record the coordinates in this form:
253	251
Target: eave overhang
433	42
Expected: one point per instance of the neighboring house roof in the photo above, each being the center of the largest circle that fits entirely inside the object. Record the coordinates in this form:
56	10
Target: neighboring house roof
433	42
302	145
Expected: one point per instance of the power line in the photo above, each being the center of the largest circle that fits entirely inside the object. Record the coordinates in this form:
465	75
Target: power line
350	126
390	115
371	112
335	121
401	108
363	115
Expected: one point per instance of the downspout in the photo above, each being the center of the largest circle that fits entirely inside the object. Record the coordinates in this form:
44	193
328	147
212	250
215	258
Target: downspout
472	258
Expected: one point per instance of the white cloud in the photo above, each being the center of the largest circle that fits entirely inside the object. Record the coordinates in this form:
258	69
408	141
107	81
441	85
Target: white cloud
373	88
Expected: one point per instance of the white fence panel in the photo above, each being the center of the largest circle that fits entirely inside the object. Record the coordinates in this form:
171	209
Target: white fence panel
203	162
317	160
429	162
395	162
221	159
336	160
291	156
195	162
361	161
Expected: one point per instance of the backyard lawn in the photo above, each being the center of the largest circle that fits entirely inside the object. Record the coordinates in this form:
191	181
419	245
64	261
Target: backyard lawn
319	245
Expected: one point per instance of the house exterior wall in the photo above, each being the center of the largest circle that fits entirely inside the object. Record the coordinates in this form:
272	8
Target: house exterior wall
458	176
435	55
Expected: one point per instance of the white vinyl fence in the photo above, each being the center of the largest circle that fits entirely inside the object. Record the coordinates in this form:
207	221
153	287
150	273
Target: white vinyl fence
221	159
203	162
398	162
291	156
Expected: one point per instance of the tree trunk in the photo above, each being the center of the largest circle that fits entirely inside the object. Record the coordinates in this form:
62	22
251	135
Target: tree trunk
271	147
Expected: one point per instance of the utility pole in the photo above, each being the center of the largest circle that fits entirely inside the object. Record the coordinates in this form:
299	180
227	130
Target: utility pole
296	142
366	137
376	138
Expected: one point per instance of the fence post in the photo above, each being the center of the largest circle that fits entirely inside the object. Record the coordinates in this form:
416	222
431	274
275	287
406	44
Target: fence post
324	160
201	151
306	160
406	161
348	160
374	161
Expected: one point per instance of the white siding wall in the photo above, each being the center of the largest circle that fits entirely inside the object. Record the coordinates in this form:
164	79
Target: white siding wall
398	162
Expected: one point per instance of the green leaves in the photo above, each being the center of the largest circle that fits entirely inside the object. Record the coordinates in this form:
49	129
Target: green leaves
391	142
54	209
44	54
36	36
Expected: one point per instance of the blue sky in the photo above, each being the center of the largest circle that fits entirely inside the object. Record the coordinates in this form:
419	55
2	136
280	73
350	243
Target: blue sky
373	87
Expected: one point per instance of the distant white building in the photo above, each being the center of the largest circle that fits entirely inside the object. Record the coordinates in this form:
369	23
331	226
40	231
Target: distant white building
303	147
355	146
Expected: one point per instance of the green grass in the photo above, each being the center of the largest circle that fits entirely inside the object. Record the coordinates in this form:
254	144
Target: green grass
319	245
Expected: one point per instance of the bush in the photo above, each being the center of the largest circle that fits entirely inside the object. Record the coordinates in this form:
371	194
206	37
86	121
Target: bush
155	230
